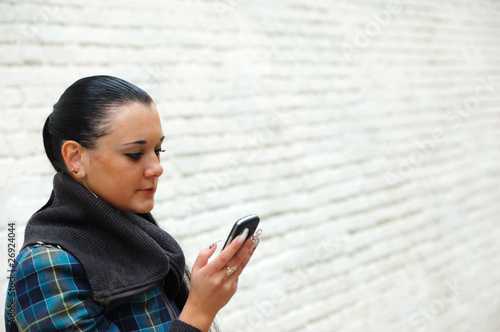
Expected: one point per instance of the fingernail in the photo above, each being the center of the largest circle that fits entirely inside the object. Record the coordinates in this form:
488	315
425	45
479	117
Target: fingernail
243	236
256	239
214	243
255	244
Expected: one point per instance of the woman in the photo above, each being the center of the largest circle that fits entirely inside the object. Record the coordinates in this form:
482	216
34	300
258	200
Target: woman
94	259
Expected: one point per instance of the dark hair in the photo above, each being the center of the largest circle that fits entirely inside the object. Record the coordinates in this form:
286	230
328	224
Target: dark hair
83	113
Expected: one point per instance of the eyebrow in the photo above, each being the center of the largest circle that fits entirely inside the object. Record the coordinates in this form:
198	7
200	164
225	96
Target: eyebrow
143	141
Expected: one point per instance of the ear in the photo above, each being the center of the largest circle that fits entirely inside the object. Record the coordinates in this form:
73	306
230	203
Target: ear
73	154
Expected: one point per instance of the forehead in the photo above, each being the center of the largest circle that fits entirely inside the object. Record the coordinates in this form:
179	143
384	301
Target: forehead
133	121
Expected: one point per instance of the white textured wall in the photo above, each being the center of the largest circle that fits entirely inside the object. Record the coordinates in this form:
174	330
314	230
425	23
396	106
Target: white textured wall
366	134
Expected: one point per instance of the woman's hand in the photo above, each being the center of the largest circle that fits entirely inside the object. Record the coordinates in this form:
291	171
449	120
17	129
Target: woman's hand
212	286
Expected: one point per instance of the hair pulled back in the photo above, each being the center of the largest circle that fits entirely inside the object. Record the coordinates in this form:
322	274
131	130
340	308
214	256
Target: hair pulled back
83	113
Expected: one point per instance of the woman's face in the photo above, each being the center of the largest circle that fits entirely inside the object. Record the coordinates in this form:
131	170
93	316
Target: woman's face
124	167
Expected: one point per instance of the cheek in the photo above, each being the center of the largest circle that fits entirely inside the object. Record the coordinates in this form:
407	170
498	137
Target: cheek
124	173
116	171
109	162
111	170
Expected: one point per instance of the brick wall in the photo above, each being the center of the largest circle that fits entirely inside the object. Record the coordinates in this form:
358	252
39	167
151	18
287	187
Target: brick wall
366	134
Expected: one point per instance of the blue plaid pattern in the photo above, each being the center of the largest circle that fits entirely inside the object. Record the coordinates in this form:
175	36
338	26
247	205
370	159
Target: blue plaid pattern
52	294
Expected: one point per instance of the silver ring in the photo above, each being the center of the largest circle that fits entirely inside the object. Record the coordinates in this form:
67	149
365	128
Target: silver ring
231	270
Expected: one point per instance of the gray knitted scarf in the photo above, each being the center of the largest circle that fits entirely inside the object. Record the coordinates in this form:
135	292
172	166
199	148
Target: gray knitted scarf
120	252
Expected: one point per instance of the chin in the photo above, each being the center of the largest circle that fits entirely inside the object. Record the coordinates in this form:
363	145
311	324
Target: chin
144	209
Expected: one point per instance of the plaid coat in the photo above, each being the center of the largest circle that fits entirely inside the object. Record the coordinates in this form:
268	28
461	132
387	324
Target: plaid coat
52	293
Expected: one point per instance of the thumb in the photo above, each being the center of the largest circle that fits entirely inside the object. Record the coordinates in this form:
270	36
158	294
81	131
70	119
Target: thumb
203	257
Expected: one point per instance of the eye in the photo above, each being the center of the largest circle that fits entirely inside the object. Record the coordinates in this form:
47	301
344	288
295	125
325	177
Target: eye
134	156
157	151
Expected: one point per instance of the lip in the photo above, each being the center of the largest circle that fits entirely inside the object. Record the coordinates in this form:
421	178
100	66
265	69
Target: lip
148	191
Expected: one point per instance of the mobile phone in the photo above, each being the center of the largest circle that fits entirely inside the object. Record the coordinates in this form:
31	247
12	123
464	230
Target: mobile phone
251	222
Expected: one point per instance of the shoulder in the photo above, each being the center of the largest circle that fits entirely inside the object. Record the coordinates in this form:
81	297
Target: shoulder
50	261
52	292
42	255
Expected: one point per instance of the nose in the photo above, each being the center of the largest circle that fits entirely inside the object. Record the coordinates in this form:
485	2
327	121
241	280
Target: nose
154	168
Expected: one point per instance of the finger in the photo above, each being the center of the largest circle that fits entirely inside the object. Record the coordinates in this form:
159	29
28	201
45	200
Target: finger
228	253
240	259
203	257
244	259
242	253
